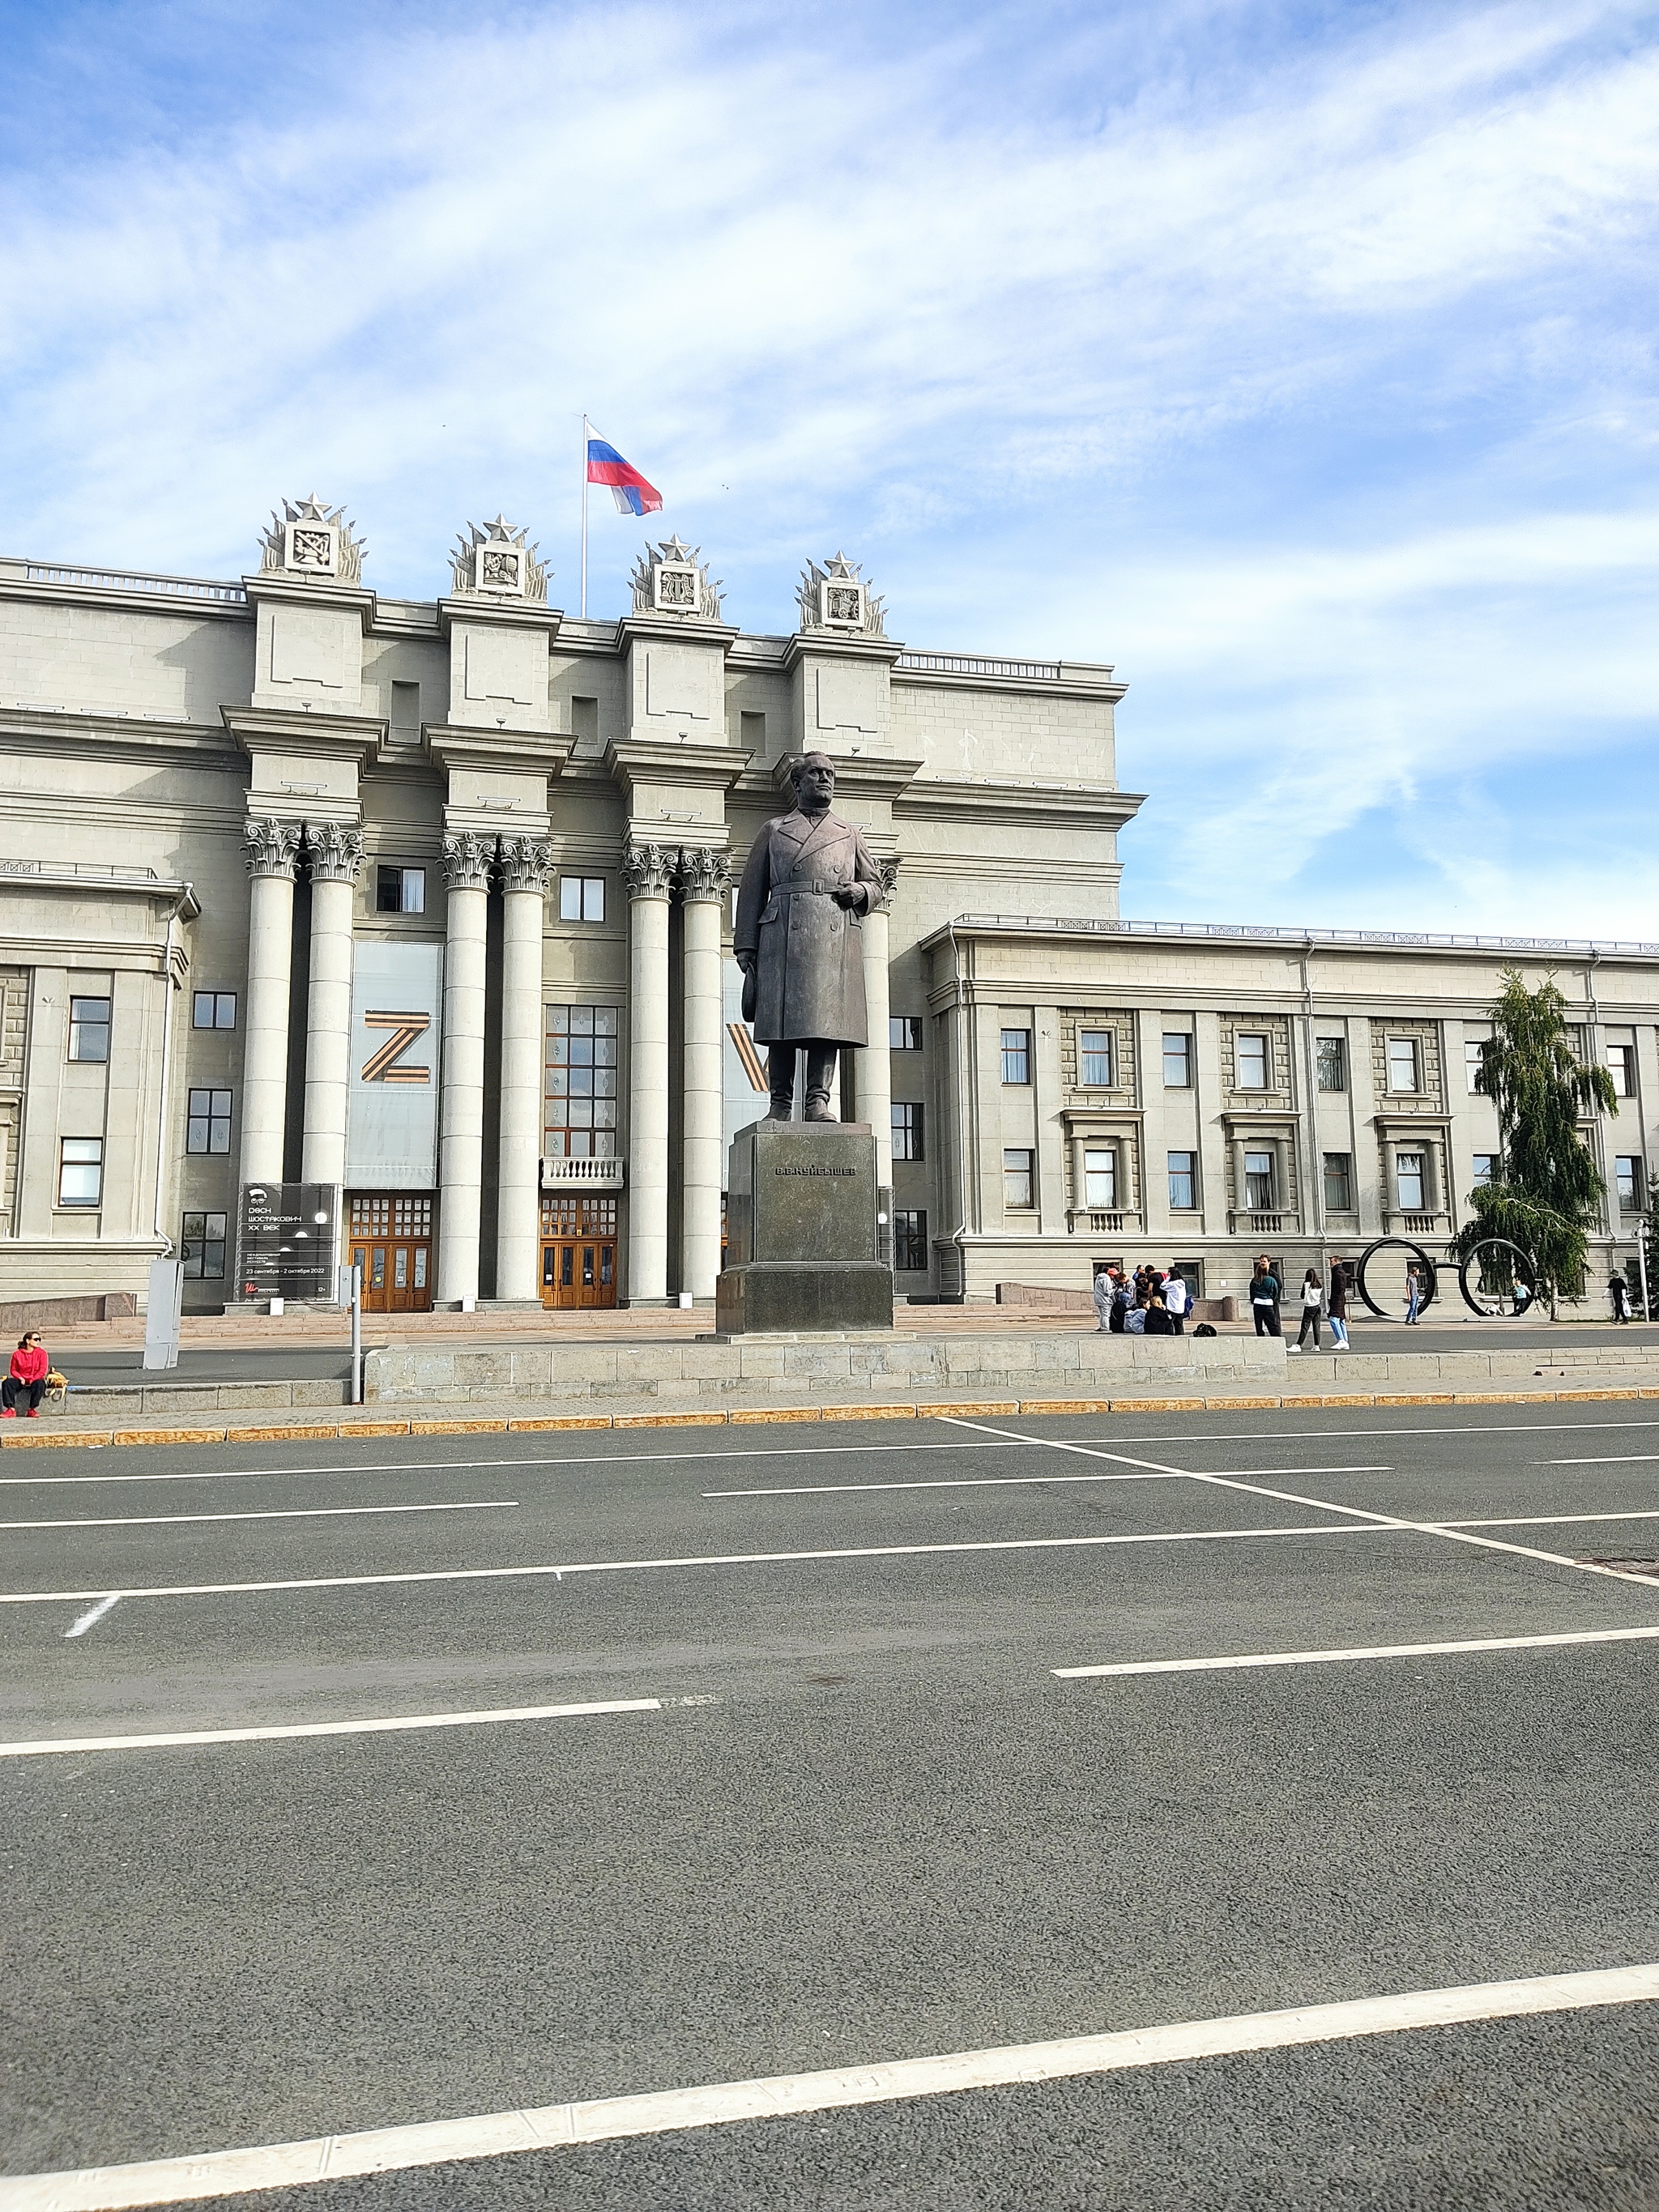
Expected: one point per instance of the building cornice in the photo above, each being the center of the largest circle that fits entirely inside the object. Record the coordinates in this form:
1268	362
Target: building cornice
502	614
1292	943
839	645
291	591
858	775
287	729
634	760
499	752
1048	806
129	737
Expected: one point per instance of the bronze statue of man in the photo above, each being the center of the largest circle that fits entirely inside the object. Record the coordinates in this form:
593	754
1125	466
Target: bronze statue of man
808	883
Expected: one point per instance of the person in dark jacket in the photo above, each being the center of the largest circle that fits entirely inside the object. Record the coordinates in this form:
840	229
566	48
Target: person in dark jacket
1264	1298
27	1378
1336	1306
1158	1322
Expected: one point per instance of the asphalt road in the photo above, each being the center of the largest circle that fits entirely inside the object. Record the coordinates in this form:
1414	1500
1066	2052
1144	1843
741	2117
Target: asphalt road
865	1822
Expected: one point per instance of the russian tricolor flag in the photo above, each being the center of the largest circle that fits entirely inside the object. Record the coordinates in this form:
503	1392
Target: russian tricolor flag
632	494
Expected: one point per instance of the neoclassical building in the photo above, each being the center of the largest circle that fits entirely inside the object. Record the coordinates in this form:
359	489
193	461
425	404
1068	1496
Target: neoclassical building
334	925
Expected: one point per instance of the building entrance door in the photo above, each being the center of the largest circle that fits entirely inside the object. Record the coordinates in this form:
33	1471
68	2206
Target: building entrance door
579	1251
389	1238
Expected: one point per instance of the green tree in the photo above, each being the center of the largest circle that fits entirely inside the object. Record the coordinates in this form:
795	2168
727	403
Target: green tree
1546	1196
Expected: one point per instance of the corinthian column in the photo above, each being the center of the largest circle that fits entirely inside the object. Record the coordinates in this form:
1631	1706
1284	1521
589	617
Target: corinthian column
647	871
523	880
272	848
335	854
703	884
872	1079
460	1146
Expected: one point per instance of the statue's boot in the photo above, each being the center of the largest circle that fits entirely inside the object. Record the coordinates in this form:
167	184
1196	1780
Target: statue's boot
820	1074
781	1081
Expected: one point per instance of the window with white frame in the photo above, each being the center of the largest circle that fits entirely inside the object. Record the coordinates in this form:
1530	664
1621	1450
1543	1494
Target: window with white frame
1409	1181
1486	1170
582	898
1333	1063
1259	1182
579	1111
1473	1061
1250	1058
81	1171
1183	1181
399	890
88	1036
1622	1066
1402	1064
1018	1179
1178	1060
1094	1059
1339	1182
1099	1176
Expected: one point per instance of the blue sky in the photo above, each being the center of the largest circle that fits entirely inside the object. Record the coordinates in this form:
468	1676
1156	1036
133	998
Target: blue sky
1299	360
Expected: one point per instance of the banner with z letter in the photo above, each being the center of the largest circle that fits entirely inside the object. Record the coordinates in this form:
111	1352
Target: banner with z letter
397	1007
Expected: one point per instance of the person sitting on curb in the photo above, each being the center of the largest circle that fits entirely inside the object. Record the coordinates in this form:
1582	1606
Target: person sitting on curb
27	1378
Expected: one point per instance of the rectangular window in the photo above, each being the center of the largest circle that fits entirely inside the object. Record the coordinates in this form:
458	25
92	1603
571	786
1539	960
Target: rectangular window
1094	1058
1016	1055
81	1171
1183	1181
1339	1181
579	1118
907	1130
1486	1170
1621	1064
1409	1181
1333	1063
88	1029
1259	1182
1099	1175
904	1033
1251	1055
910	1243
201	1247
1402	1064
1019	1190
213	1010
207	1128
1472	1060
582	898
1628	1179
1177	1061
399	890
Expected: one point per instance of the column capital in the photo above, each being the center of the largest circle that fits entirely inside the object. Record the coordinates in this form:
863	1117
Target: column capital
648	870
703	872
887	867
272	847
467	857
524	863
335	851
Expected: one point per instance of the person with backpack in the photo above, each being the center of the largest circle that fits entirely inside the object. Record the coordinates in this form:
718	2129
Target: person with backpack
1313	1297
1264	1298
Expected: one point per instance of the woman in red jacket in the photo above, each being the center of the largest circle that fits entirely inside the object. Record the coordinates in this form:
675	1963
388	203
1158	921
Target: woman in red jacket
27	1378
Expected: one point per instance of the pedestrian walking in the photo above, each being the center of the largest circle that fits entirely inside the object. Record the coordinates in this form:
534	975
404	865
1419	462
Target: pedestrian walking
1104	1287
1313	1297
1175	1301
1336	1305
1264	1298
1413	1293
27	1378
1619	1291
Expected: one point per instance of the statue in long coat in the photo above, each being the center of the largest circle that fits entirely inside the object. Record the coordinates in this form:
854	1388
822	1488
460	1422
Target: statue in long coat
808	883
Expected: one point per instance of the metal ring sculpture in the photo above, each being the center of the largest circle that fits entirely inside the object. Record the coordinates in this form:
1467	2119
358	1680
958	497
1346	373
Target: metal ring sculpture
1520	1267
1431	1275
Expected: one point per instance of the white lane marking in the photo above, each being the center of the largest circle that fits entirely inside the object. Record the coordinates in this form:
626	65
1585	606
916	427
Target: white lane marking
1452	1533
1217	1437
1550	1520
288	1513
80	1626
1234	1660
1613	1459
783	2096
329	1728
1006	1482
703	1559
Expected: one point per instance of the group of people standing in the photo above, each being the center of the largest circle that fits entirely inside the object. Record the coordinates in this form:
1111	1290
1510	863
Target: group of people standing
1318	1298
1149	1303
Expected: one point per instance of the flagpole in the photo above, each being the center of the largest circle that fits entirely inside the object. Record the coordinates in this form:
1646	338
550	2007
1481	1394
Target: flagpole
584	517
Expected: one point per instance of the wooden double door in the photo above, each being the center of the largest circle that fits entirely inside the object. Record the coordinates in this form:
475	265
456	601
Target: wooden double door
579	1251
389	1234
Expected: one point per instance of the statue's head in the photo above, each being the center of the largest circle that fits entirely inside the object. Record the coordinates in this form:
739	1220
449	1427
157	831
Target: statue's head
815	783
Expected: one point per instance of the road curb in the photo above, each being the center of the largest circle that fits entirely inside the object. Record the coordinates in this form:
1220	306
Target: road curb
744	1416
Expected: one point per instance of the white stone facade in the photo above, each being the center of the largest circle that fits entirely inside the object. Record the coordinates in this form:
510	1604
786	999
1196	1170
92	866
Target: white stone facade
285	799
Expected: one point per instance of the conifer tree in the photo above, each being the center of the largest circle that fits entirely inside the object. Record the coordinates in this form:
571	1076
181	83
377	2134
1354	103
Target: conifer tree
1546	1196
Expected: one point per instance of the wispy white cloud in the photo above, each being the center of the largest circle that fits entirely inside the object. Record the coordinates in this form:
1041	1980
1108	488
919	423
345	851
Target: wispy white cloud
1308	380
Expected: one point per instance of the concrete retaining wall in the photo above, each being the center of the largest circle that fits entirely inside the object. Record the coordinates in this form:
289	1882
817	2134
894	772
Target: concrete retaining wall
940	1367
125	1402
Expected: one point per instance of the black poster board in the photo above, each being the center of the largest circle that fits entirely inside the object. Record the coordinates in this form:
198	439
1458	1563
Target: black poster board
287	1237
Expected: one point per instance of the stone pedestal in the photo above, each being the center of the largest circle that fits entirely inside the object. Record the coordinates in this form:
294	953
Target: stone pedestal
801	1231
